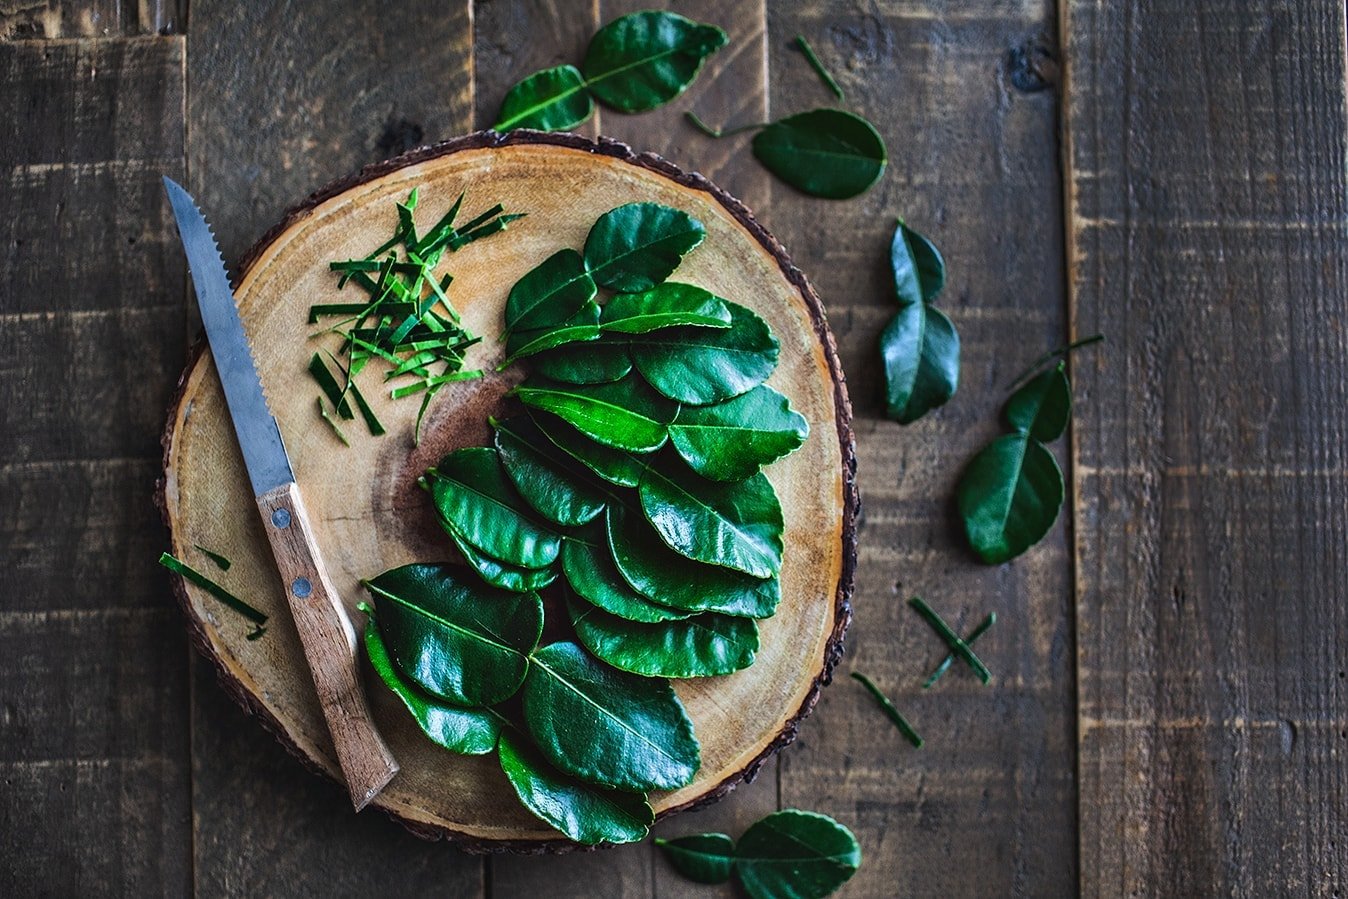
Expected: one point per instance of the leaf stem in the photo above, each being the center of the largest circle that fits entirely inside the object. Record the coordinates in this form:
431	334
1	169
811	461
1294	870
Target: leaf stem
1034	366
818	66
890	711
721	132
952	639
949	660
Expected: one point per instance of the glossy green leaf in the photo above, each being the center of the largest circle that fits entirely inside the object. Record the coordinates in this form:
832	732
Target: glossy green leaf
701	365
634	247
1009	497
460	640
705	645
737	525
472	491
702	857
605	726
662	575
551	100
549	480
549	293
644	59
589	569
825	152
579	328
594	362
465	731
1043	406
921	352
919	270
666	305
625	415
587	814
613	465
730	441
498	573
794	854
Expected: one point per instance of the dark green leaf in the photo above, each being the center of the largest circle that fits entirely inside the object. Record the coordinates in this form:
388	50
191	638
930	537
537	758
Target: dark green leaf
581	327
462	641
465	731
473	492
220	561
737	525
605	726
919	270
662	575
1009	497
1043	406
587	814
664	306
498	573
548	479
613	465
590	572
595	362
705	645
644	59
625	415
794	854
730	441
921	351
703	857
701	365
551	100
331	389
890	710
549	293
825	152
636	246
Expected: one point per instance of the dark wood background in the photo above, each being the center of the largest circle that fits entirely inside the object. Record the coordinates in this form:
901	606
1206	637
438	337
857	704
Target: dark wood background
1168	713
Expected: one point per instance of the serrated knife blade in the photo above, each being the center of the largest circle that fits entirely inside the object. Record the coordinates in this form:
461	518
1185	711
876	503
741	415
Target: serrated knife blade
324	628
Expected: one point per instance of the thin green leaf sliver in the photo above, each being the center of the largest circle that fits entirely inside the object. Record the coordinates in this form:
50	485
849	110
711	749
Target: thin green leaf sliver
554	99
220	561
952	639
188	573
949	660
891	712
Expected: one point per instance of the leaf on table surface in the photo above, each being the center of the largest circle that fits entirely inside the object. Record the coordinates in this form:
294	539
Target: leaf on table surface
461	730
475	497
645	59
794	853
825	152
702	857
1009	496
919	269
921	352
699	366
554	99
605	726
730	441
460	640
1043	406
705	645
586	813
634	247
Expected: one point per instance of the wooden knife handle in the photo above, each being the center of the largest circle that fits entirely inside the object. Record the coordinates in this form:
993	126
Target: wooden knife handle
329	644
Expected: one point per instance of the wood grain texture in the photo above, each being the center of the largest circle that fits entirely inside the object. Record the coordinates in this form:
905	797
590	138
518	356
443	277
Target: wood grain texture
282	98
28	19
988	807
1208	215
741	720
94	792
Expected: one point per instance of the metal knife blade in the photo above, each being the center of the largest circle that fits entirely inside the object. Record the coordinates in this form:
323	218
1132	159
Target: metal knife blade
264	453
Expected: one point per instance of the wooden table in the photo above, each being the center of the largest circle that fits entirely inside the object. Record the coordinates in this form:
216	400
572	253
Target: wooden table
1168	710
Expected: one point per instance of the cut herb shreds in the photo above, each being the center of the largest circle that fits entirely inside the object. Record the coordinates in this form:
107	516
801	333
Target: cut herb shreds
892	713
952	639
949	660
188	573
406	320
650	517
220	561
818	67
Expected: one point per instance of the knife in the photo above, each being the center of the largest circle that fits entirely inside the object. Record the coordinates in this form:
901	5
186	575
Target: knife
325	630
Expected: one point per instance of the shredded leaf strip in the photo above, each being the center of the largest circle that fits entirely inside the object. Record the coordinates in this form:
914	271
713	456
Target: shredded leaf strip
949	660
328	384
952	639
220	561
818	66
890	711
336	428
188	573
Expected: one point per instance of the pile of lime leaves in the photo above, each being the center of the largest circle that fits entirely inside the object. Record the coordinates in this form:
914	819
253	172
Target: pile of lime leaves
628	485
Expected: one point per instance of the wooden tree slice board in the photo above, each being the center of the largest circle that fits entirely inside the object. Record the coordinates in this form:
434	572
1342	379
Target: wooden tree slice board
369	514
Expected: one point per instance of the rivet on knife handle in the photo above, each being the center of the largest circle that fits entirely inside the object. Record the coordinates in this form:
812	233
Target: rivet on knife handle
329	643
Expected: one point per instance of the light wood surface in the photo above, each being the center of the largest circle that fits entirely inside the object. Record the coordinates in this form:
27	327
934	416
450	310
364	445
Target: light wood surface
369	514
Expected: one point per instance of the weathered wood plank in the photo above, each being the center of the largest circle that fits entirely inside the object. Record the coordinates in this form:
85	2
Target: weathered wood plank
988	806
1208	219
26	19
283	99
93	732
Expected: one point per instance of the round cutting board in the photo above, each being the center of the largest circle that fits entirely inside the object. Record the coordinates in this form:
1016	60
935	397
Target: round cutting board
369	514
